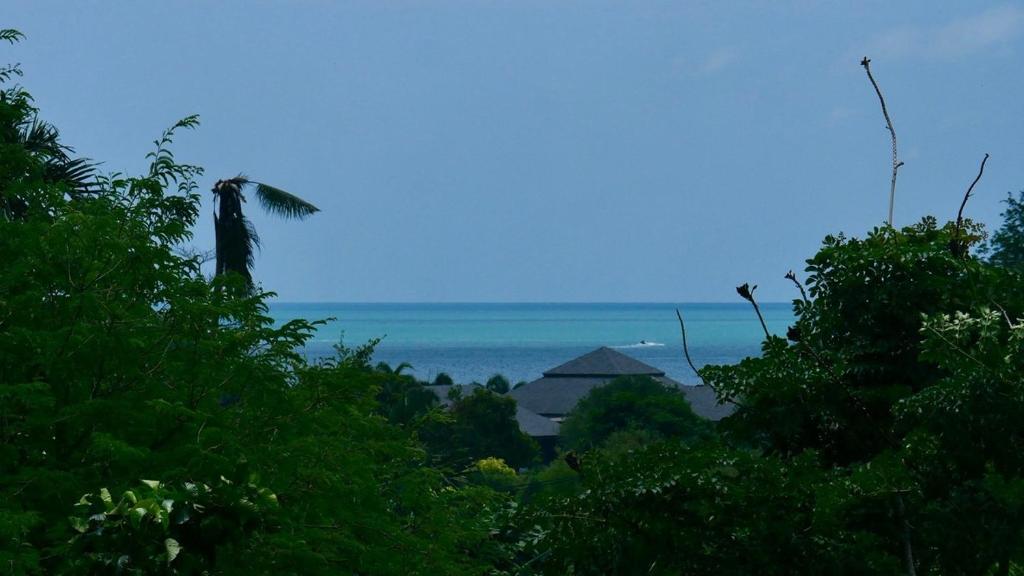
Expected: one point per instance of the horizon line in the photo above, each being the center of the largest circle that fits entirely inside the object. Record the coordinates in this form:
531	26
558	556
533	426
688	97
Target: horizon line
512	302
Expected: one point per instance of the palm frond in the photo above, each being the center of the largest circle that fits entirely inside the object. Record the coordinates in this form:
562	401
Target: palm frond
10	35
40	137
252	240
43	140
281	203
78	173
237	241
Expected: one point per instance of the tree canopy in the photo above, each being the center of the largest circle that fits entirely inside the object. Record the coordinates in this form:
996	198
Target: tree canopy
883	437
170	419
477	426
154	420
1007	243
631	403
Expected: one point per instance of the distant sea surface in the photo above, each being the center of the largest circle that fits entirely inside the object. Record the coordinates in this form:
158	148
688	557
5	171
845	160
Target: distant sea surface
471	342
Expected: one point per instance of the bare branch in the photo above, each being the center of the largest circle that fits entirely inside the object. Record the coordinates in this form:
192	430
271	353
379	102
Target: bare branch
1006	316
686	349
981	170
792	277
959	248
896	162
747	293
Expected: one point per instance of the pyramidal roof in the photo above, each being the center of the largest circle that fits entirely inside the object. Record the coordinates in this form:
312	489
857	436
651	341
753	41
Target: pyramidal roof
604	362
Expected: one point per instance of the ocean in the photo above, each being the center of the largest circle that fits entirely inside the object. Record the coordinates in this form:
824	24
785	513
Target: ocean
472	342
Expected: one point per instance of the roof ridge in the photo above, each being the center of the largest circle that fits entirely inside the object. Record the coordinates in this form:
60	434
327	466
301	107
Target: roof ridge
604	361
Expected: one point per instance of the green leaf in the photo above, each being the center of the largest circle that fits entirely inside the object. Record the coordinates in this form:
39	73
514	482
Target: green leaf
173	549
136	515
81	525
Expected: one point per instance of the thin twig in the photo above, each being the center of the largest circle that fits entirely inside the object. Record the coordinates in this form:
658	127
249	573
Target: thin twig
960	213
1006	316
748	294
896	163
957	248
686	349
803	295
957	348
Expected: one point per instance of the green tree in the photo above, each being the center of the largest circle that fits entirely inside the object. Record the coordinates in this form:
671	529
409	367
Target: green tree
158	529
668	509
631	403
1007	243
857	387
120	361
403	399
480	425
497	384
235	235
969	422
885	432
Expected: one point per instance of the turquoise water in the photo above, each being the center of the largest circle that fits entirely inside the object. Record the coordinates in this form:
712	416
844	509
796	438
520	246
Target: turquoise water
474	341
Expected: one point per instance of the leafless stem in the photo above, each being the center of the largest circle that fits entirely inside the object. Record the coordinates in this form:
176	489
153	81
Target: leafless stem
686	349
1006	316
803	294
957	247
896	163
747	293
960	213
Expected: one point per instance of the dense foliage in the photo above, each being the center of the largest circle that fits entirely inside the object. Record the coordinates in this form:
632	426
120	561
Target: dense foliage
637	404
156	421
883	437
1007	243
479	425
121	363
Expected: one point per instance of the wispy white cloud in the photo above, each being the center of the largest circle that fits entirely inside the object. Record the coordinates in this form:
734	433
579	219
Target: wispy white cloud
991	29
710	63
719	59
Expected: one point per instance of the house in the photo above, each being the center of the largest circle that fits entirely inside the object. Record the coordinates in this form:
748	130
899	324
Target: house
561	388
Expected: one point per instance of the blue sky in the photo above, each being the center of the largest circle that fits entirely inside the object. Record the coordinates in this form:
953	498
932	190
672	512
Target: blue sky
545	151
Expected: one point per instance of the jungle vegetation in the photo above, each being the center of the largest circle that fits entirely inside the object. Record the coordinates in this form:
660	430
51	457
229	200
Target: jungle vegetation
154	420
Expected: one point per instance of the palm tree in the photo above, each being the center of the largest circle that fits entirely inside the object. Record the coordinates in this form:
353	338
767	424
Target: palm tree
41	141
236	237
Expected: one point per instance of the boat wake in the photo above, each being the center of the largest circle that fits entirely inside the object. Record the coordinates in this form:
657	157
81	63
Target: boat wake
641	344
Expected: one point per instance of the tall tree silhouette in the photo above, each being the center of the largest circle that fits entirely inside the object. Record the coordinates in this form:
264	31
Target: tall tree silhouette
235	235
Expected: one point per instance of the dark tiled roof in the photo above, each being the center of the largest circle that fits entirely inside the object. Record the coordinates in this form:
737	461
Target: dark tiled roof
534	424
561	388
555	396
705	404
604	362
703	400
